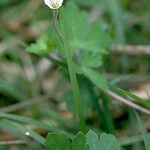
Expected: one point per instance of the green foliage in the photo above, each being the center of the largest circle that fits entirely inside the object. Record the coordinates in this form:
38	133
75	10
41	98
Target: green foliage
79	142
76	32
105	142
73	27
85	44
58	141
91	60
97	78
42	46
90	141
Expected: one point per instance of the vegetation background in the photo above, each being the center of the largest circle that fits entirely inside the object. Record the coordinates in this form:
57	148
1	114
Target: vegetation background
36	85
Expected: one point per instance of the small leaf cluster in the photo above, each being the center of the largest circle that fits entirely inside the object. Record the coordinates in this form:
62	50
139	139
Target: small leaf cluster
90	141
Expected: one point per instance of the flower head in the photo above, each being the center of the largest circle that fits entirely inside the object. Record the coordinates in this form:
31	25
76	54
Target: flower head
53	4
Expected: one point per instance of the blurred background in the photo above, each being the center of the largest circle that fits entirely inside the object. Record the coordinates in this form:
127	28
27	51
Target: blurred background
38	87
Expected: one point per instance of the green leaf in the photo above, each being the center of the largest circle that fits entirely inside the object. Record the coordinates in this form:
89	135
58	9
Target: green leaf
74	25
42	46
92	140
76	33
105	142
97	78
94	40
58	141
55	40
79	142
91	60
145	134
108	141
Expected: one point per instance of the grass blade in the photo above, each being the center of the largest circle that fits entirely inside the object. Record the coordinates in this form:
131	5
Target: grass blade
145	135
26	120
25	131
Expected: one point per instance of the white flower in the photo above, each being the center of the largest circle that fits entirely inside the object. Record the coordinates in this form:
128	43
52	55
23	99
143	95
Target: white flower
27	133
53	4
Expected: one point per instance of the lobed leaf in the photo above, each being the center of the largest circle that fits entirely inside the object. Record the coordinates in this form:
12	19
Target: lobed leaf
97	78
57	141
105	142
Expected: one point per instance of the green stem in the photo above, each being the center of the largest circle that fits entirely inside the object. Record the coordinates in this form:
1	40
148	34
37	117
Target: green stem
76	92
73	78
